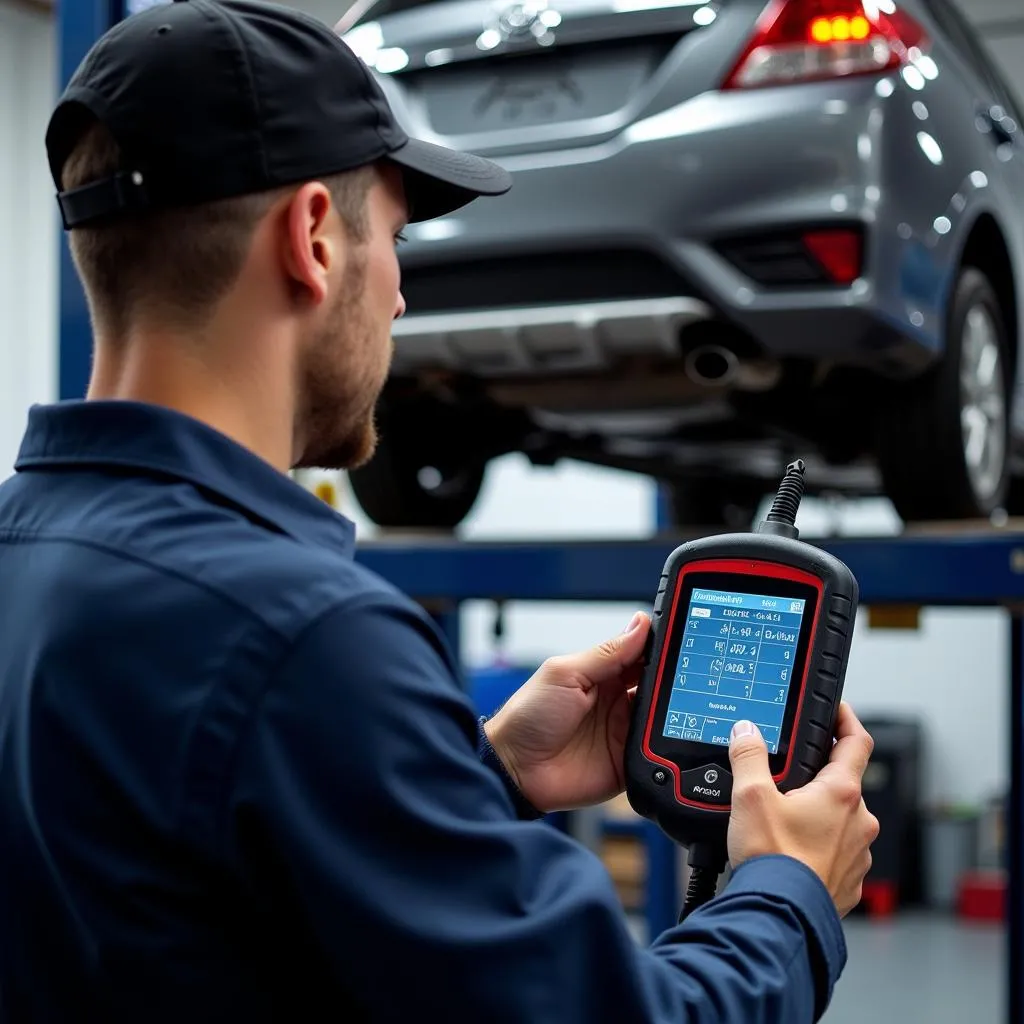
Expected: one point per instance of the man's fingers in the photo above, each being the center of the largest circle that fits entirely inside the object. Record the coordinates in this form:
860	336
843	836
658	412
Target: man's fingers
749	756
853	743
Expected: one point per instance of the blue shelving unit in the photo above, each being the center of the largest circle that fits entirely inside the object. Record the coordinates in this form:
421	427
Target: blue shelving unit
962	567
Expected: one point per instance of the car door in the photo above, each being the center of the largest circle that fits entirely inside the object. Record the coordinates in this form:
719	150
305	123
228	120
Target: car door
999	109
999	115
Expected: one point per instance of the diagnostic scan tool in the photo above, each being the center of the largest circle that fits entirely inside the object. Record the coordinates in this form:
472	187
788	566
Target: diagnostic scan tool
750	626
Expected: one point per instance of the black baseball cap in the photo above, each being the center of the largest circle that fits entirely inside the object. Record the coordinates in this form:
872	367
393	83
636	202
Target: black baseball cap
210	99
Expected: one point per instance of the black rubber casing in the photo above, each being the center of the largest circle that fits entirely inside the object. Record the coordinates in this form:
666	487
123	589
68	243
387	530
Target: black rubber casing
653	778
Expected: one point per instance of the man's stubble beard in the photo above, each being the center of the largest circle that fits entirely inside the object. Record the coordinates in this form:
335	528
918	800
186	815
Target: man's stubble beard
340	382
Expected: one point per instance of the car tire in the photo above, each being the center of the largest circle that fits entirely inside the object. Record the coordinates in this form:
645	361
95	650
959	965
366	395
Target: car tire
405	485
943	441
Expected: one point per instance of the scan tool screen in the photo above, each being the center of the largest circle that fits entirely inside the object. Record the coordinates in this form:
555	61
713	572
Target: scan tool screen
736	661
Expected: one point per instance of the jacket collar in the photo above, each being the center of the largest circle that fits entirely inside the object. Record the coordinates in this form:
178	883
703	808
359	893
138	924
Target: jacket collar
159	441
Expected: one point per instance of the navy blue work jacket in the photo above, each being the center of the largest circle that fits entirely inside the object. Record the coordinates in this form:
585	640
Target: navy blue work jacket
240	781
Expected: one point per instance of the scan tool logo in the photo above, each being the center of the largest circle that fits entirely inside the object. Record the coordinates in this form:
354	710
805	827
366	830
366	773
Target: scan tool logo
531	18
711	776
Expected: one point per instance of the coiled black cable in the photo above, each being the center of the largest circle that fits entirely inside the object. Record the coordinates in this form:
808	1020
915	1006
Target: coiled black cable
786	503
707	862
781	518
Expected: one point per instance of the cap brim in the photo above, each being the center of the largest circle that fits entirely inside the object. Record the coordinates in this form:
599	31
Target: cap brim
439	180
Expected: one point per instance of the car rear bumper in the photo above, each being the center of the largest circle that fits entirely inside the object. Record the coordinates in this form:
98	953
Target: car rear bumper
571	338
522	282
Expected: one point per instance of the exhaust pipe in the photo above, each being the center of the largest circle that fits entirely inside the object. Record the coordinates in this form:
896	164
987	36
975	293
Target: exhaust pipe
711	365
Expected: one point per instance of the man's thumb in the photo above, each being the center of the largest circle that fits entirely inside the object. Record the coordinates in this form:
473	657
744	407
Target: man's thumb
627	647
607	659
748	754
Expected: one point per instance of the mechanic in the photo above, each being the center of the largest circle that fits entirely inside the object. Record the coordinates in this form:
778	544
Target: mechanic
239	778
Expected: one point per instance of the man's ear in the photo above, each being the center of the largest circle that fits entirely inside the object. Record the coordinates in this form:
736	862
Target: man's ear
312	249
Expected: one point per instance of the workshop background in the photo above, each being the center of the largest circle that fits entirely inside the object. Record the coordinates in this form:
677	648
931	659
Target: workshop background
922	961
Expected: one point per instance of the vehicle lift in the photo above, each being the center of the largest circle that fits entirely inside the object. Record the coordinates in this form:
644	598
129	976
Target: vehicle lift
959	566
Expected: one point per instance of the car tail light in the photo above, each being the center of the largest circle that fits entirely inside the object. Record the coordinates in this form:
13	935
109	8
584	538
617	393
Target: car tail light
803	40
838	251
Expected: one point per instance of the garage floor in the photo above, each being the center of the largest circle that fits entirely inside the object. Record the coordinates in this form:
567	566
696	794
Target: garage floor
921	968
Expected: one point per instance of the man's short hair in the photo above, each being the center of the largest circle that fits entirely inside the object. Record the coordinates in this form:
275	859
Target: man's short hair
175	265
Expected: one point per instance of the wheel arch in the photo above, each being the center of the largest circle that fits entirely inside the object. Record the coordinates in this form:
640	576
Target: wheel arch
985	248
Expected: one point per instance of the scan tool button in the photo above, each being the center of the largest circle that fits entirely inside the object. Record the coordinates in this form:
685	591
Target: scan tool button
710	784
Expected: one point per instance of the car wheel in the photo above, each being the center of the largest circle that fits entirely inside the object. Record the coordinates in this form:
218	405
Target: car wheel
943	444
416	481
719	504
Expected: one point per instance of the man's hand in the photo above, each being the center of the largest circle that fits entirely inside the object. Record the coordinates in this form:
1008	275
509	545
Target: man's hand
823	824
563	733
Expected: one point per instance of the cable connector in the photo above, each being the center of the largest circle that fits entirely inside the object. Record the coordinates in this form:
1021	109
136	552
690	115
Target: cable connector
781	519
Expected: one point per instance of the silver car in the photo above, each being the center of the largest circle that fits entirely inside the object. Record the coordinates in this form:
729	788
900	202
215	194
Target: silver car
737	233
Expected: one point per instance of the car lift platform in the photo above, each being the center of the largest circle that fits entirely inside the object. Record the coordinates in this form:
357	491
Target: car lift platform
970	566
954	565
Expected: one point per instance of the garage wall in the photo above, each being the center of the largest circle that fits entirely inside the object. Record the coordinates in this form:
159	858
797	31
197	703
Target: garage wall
930	672
1002	26
28	251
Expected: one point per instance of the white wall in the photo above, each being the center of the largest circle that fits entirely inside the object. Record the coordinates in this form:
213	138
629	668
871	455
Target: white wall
1001	23
956	654
28	224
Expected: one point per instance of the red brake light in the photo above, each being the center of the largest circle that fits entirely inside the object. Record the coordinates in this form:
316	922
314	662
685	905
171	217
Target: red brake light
801	40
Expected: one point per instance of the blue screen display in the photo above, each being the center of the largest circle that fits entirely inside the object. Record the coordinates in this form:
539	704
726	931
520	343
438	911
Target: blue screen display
735	662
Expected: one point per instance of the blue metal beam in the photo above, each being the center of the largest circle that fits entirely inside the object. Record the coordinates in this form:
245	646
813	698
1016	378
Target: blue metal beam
980	568
80	24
